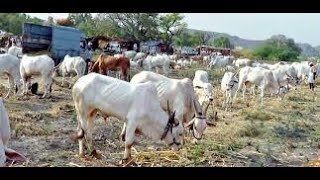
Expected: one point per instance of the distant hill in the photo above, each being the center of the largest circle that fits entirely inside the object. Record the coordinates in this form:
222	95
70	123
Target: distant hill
307	49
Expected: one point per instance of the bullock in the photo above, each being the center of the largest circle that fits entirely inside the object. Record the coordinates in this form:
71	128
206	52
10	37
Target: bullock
5	132
71	65
202	87
157	61
41	65
181	97
263	78
229	86
106	63
9	66
120	99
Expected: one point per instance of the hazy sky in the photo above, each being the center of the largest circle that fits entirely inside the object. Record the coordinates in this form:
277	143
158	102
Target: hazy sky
303	27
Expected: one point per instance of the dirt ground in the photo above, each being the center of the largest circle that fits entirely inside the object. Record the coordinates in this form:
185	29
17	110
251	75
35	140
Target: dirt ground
278	133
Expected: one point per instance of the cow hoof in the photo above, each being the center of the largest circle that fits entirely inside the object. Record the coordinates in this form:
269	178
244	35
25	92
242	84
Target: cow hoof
126	161
123	137
95	154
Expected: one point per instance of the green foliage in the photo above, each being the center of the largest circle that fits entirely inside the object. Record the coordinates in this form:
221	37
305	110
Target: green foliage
278	48
170	25
222	42
186	39
12	22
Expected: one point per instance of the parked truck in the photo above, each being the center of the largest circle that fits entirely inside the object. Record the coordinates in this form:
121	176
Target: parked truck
58	41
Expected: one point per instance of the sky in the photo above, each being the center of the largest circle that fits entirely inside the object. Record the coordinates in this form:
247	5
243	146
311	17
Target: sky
302	27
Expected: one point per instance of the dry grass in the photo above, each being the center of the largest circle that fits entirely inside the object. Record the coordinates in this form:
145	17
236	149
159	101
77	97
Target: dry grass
278	133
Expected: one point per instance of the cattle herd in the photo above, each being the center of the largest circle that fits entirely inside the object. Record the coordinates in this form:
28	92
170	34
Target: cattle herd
170	106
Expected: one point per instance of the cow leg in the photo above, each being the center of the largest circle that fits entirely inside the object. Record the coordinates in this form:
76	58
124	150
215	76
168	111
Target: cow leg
123	132
130	135
63	78
262	94
89	138
11	85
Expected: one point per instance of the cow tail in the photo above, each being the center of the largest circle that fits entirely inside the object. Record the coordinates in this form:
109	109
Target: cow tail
129	73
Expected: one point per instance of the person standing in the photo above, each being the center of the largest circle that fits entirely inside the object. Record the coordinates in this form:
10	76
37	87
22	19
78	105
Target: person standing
312	76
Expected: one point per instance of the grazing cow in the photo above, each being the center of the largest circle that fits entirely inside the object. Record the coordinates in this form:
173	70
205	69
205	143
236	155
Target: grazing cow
220	61
229	85
9	66
157	61
241	62
41	65
5	132
71	65
263	78
286	75
120	99
15	51
106	63
181	97
202	87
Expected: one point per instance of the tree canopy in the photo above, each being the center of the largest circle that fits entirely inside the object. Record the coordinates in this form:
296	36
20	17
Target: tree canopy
222	42
12	22
278	48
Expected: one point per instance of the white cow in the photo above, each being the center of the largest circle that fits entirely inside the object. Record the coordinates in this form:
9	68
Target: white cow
241	62
181	97
220	61
157	61
15	51
229	85
263	78
42	66
135	104
5	152
9	66
202	87
71	65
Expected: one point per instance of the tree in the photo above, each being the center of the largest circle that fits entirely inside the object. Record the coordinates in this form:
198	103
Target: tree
278	48
12	22
136	26
186	39
171	25
79	18
202	37
222	42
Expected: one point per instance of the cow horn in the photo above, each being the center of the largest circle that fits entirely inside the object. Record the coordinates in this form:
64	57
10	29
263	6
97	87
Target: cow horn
189	123
195	108
288	74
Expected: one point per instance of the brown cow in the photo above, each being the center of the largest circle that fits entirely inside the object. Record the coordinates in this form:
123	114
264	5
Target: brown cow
106	63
